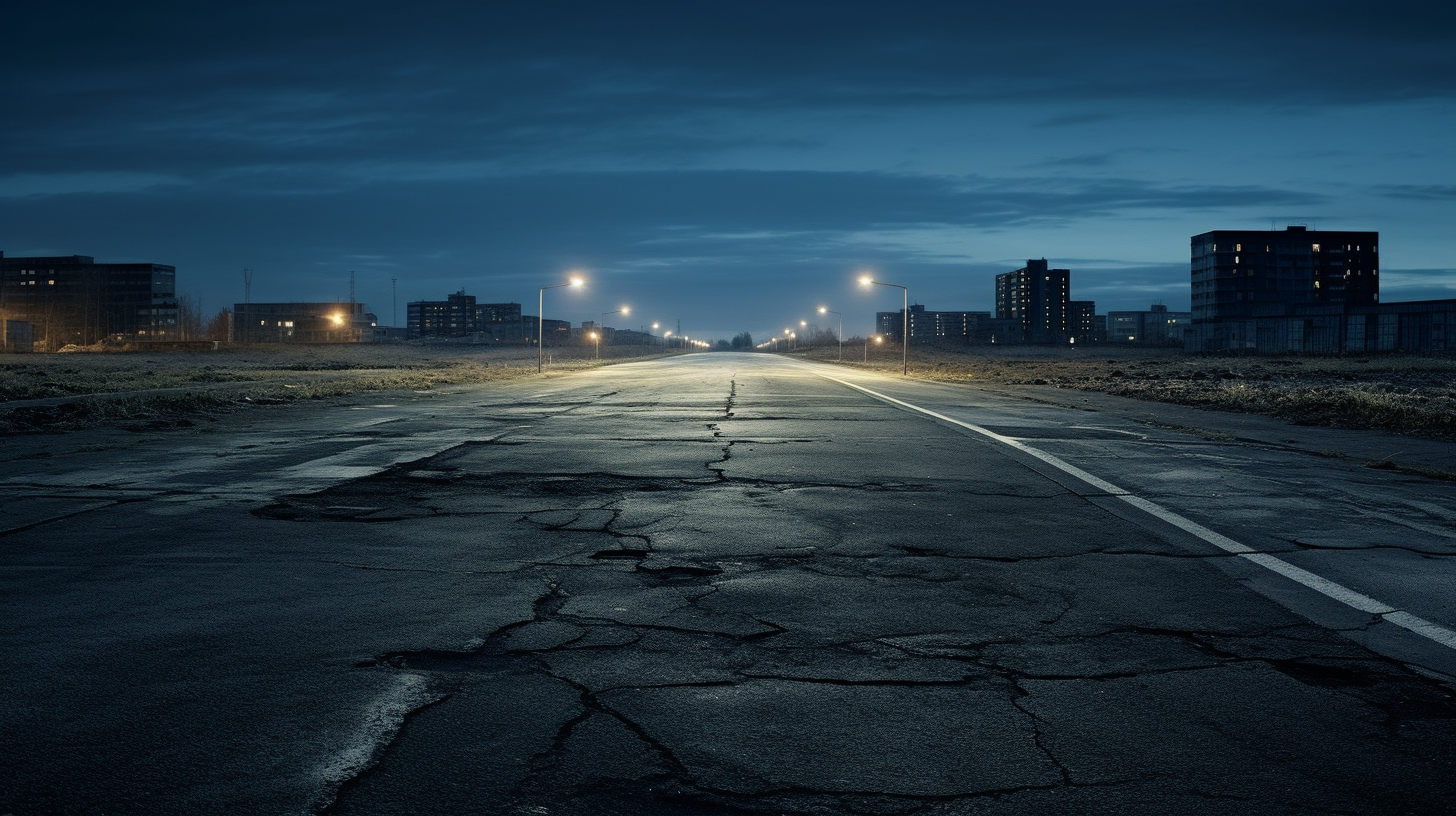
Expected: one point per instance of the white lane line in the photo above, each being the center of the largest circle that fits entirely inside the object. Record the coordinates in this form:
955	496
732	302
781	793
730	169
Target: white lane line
1304	577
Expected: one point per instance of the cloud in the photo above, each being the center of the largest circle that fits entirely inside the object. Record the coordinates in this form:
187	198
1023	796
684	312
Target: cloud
165	87
1418	192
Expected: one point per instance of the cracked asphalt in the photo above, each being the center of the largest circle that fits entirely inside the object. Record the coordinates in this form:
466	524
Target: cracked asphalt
721	583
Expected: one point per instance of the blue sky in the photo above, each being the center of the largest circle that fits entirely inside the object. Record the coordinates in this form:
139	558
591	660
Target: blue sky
730	166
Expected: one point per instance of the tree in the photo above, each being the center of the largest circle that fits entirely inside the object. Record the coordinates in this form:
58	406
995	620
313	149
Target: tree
742	340
189	317
219	327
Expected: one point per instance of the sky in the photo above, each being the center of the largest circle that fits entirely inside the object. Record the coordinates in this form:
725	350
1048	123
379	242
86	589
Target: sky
720	167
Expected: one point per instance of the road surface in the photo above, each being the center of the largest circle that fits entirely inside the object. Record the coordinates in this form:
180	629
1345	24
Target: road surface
725	583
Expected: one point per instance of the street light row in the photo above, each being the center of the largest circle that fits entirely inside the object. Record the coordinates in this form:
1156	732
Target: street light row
596	336
789	334
865	280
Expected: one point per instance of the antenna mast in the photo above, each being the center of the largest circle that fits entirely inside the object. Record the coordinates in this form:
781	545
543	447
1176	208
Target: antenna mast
247	286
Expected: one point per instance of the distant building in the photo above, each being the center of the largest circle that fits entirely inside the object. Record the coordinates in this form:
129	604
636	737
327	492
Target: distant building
1303	290
1037	299
932	327
1084	324
455	316
1155	327
72	299
302	323
460	317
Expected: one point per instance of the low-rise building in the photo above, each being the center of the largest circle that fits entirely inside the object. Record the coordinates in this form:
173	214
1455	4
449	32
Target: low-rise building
302	323
1155	327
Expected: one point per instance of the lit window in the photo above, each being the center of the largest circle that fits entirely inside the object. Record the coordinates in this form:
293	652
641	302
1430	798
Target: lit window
1314	247
1238	247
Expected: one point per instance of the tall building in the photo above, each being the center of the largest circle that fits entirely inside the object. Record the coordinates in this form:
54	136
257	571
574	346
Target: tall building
1256	273
71	299
1036	298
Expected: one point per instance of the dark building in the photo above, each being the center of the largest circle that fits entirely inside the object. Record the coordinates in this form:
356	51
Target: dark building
1083	322
1256	273
1037	299
502	322
456	316
72	299
459	316
1157	326
302	323
927	327
1303	290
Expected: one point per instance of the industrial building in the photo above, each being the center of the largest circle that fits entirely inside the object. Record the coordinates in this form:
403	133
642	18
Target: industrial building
73	300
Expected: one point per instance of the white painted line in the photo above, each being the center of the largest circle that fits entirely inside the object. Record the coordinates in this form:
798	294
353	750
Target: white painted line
1304	577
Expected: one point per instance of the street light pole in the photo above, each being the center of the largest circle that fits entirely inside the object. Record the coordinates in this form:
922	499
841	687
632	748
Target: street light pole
602	329
905	338
541	320
840	334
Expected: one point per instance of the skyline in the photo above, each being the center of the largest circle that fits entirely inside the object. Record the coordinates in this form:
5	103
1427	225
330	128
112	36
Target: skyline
732	171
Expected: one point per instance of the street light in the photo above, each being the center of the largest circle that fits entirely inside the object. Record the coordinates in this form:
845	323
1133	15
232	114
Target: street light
840	334
878	340
866	280
667	340
603	327
597	336
541	319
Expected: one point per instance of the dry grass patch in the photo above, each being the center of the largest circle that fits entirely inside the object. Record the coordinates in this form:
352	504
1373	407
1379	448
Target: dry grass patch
165	389
1399	393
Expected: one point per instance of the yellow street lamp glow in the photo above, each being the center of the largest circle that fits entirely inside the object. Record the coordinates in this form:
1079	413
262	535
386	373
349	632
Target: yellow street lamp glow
575	281
838	335
866	280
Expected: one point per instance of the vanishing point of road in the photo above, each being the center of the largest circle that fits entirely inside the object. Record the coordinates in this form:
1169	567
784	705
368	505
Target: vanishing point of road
726	583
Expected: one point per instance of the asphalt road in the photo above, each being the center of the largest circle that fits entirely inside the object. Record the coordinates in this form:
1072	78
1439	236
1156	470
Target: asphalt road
725	583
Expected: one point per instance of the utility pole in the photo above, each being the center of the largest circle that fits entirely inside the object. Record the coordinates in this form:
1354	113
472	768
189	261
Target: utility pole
394	302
